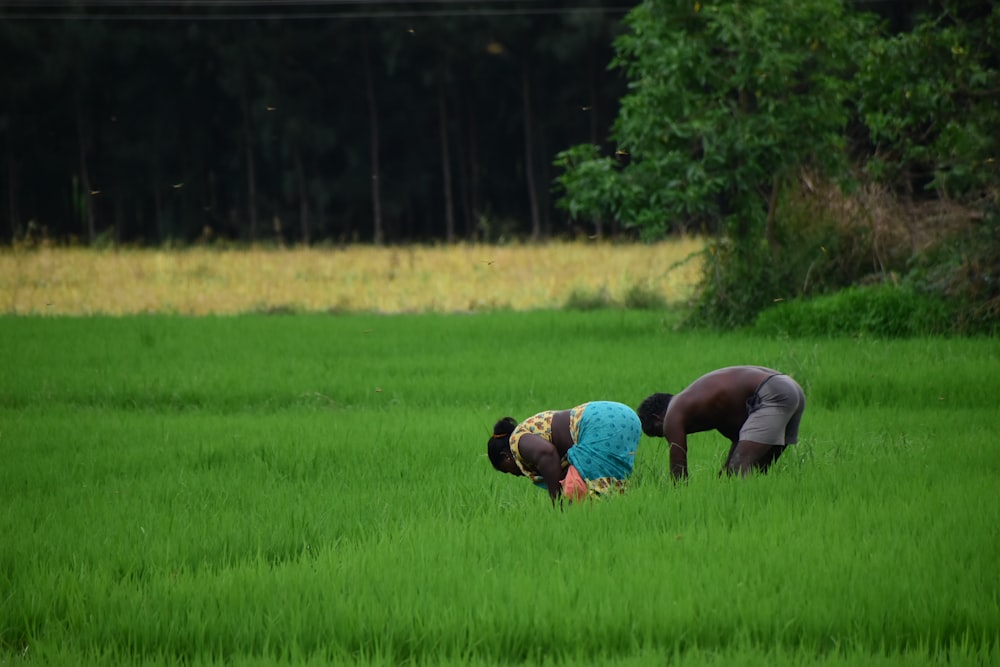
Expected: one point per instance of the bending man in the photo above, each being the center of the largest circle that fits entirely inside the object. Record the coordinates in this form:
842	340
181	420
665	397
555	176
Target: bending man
757	408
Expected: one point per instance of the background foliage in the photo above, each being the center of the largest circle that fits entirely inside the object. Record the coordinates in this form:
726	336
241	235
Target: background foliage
819	144
821	147
296	122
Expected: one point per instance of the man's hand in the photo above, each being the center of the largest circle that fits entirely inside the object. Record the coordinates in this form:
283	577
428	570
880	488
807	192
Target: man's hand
678	460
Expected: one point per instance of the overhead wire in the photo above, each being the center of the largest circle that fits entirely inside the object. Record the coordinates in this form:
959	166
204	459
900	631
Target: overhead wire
260	3
287	9
109	10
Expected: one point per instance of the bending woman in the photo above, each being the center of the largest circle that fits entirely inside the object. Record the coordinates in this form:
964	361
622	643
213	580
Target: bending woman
586	451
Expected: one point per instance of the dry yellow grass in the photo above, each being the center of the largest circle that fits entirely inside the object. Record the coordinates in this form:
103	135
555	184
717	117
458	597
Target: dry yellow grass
459	278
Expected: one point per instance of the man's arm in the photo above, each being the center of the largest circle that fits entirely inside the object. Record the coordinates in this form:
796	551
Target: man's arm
678	455
675	432
543	456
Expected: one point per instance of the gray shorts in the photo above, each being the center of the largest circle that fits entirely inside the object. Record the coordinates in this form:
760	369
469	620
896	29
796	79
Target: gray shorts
774	412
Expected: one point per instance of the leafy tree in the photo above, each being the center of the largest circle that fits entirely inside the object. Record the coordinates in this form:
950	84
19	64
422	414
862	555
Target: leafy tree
929	99
727	103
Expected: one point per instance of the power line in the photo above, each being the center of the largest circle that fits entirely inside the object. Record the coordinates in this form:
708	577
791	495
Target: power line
77	10
286	9
257	16
190	4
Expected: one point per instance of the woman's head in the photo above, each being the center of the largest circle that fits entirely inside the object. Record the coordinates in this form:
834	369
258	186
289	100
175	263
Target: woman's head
651	413
498	446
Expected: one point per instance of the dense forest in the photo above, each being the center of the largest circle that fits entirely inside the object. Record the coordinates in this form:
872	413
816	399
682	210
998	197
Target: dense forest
297	121
302	121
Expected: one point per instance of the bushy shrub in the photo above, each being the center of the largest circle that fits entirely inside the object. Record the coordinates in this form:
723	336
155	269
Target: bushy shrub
738	282
580	298
827	239
883	310
965	269
822	240
643	297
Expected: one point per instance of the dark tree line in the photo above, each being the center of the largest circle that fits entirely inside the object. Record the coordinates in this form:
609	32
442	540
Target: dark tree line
297	122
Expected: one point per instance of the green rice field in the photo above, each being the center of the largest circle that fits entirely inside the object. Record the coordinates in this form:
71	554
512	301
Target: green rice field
314	490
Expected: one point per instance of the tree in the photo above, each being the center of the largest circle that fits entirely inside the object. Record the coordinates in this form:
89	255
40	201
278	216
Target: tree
216	123
727	103
929	100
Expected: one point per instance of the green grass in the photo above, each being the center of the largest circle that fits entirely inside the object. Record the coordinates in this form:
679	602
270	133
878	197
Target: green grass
314	490
884	310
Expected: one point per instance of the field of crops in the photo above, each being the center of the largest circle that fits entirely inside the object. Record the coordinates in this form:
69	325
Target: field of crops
313	489
460	278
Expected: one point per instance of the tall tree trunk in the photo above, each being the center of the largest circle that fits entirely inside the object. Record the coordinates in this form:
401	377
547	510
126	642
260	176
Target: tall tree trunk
474	196
13	215
248	152
449	204
772	213
156	177
119	203
593	114
378	234
593	110
303	197
529	152
86	192
462	169
161	227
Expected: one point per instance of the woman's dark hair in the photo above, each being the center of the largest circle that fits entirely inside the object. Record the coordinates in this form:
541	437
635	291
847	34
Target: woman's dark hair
499	442
651	412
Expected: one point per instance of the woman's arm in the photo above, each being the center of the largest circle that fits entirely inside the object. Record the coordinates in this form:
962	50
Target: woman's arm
543	456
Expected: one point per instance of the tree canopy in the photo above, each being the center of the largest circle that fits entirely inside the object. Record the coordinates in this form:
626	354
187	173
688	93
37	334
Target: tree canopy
296	121
735	110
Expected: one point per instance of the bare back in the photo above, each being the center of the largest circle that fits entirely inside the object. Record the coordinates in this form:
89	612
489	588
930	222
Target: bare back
562	439
722	400
716	400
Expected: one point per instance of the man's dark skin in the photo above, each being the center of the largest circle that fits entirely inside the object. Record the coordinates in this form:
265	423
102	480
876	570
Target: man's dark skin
717	401
544	456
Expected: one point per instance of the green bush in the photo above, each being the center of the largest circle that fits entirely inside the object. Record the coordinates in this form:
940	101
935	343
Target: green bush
816	246
965	269
737	283
636	297
644	297
580	298
882	311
